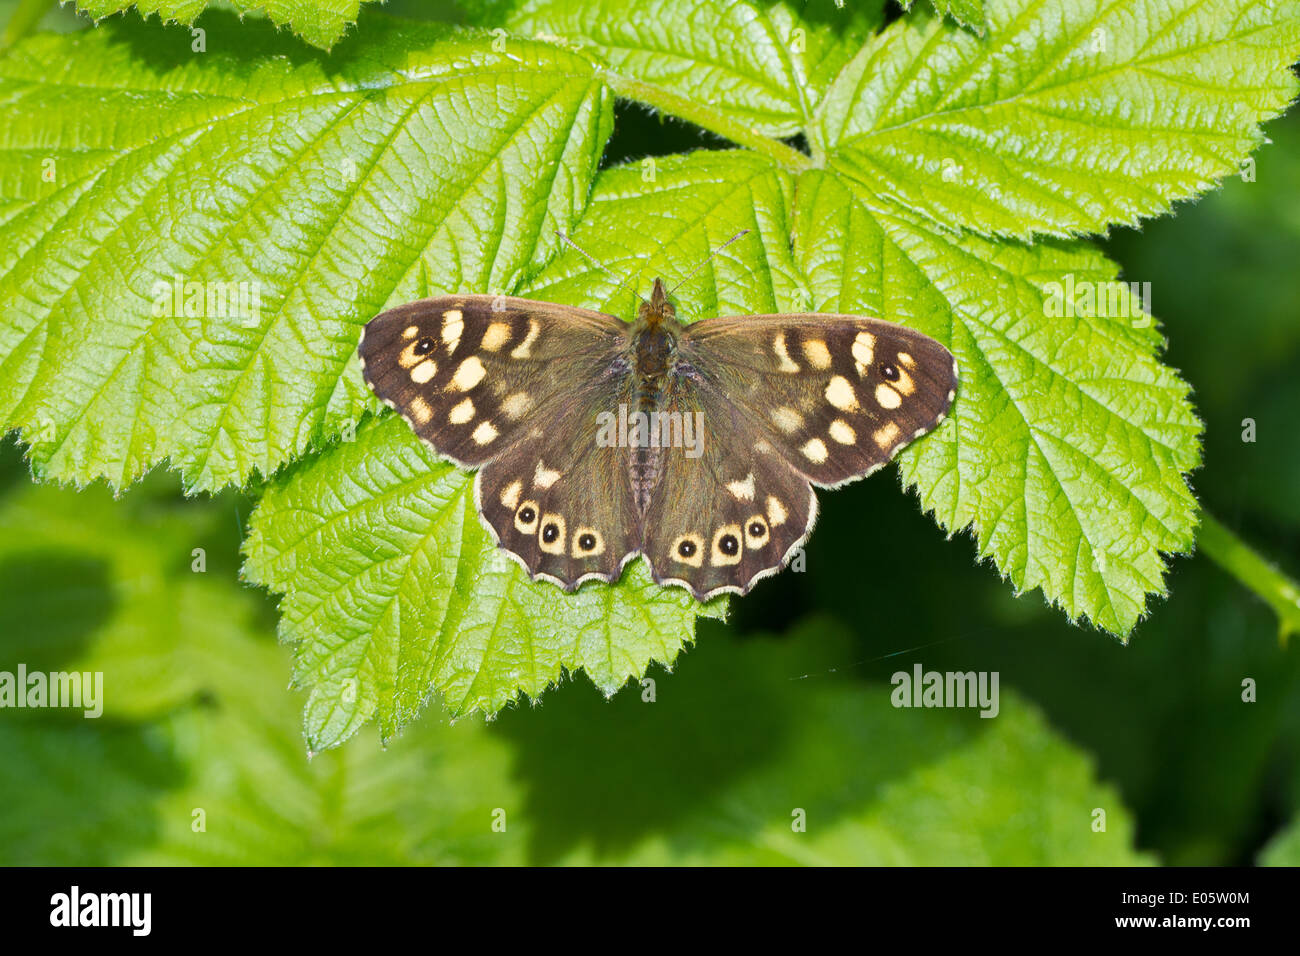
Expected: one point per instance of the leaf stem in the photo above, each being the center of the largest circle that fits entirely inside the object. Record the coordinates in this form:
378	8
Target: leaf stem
701	115
1243	563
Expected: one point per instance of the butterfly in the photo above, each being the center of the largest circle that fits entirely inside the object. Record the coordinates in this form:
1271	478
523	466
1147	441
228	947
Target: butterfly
697	446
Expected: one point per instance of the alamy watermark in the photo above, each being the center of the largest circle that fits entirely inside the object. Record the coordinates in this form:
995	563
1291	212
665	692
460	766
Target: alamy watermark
651	430
74	689
1086	299
183	299
952	689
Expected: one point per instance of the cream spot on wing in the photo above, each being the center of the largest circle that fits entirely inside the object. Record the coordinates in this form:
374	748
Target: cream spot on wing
420	410
452	327
905	383
544	477
692	555
724	539
410	331
763	446
787	419
461	413
469	374
839	392
864	349
497	335
819	356
408	356
906	359
783	357
814	450
485	434
884	435
515	405
510	495
776	513
842	433
743	490
525	348
887	397
424	371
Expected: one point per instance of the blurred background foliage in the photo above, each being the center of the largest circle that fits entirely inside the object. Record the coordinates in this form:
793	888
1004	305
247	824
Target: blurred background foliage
783	709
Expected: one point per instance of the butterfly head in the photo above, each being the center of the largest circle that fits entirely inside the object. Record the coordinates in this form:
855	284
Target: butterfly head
658	310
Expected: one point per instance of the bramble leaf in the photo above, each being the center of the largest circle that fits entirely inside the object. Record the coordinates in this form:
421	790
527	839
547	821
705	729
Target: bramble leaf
765	65
320	22
1068	444
192	282
1067	117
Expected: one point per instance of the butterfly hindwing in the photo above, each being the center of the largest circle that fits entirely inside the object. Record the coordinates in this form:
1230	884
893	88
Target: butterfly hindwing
467	370
558	499
731	516
838	395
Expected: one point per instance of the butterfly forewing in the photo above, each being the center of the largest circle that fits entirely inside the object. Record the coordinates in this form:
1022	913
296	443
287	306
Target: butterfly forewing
836	395
514	386
469	371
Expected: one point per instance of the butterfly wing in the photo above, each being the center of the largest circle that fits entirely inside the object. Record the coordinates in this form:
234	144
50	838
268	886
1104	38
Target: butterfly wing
736	513
466	370
837	395
515	386
786	402
558	499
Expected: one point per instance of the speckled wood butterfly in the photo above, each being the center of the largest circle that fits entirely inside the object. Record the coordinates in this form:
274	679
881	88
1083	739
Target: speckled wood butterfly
697	446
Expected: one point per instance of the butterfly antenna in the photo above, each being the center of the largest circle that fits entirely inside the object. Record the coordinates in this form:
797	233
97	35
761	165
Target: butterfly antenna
707	259
601	266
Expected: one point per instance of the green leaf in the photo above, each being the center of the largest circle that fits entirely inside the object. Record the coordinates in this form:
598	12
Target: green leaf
1068	117
313	193
1067	447
22	20
764	65
319	22
394	589
1283	849
969	13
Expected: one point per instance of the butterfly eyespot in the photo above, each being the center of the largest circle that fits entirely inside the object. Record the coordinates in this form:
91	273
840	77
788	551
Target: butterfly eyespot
526	517
586	542
687	549
424	346
551	532
729	544
757	529
889	372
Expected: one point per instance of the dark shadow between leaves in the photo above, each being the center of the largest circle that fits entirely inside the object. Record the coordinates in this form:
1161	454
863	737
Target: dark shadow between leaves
51	604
